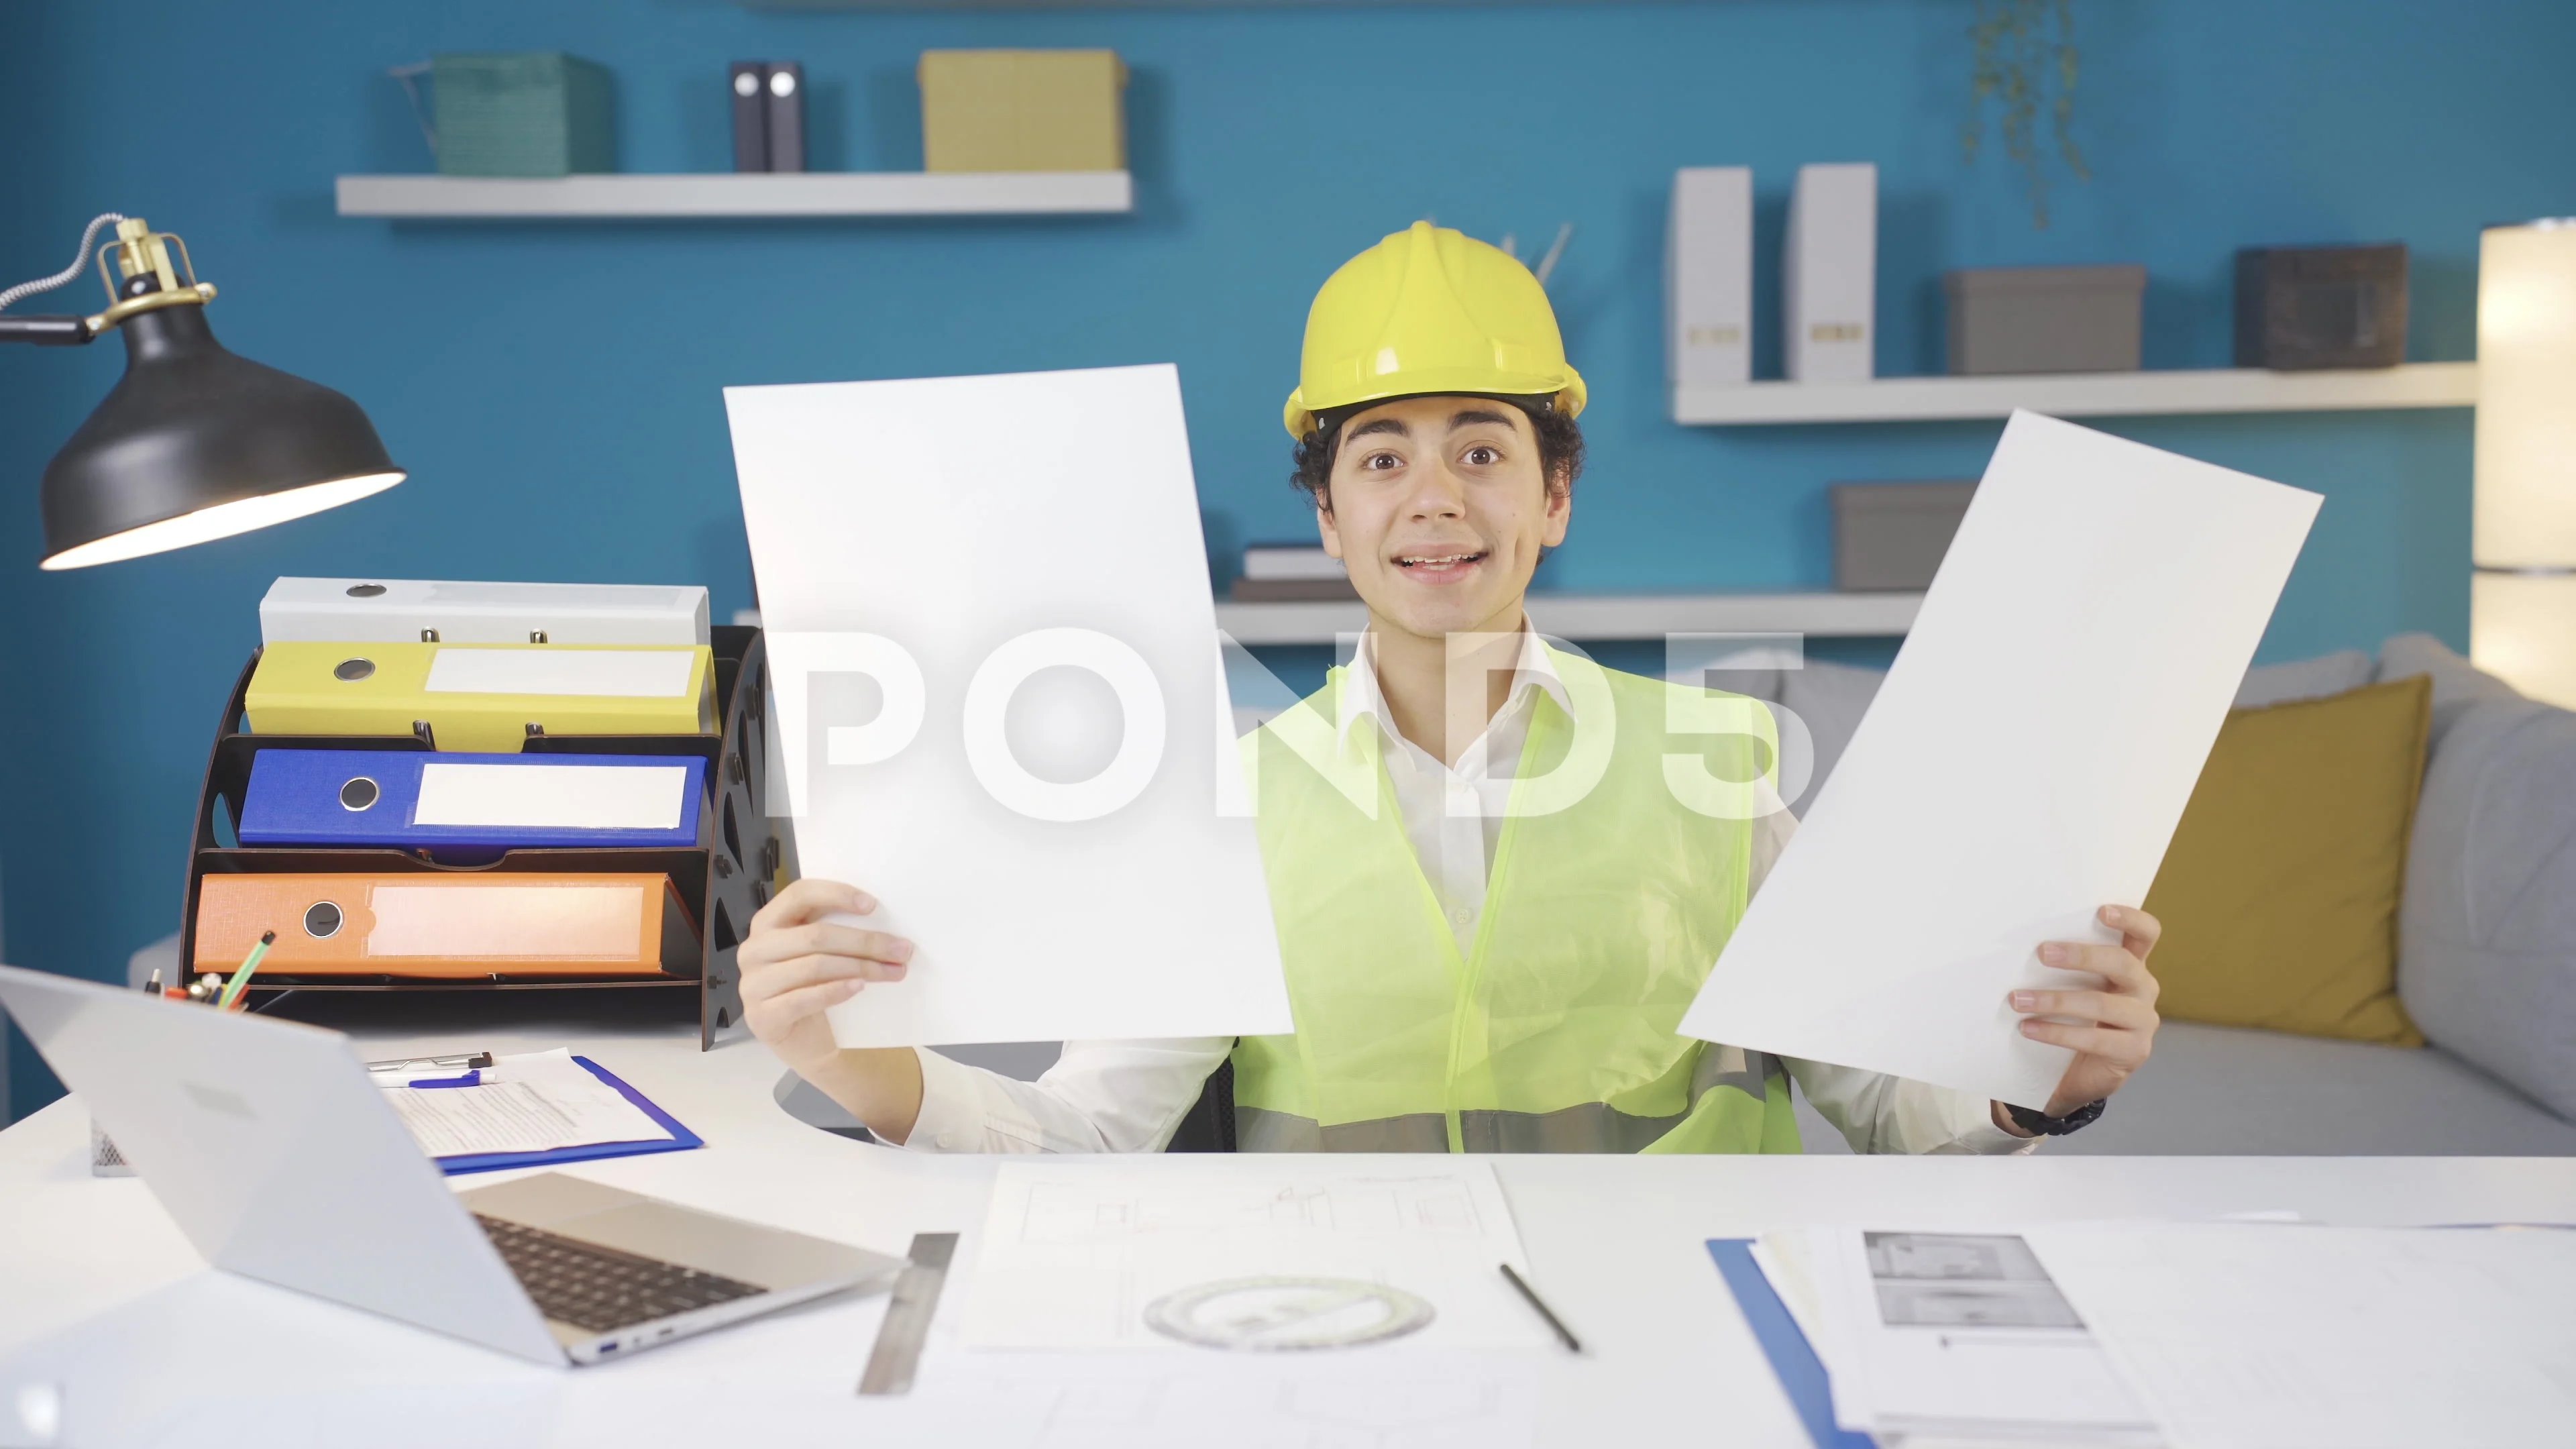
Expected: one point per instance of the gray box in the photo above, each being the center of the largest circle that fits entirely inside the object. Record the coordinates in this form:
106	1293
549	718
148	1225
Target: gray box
2331	306
1890	536
2045	319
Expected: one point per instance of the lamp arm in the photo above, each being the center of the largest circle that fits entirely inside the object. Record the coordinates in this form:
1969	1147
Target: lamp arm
47	331
54	331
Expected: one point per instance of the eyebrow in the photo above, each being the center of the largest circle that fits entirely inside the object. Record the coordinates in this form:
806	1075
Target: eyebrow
1462	418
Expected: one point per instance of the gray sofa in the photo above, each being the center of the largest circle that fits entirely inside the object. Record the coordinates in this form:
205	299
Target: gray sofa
2487	942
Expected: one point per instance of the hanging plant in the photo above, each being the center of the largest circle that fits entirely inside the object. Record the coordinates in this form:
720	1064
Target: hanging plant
2025	63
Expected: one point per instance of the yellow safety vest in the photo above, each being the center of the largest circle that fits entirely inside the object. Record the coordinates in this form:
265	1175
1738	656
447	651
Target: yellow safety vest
1604	909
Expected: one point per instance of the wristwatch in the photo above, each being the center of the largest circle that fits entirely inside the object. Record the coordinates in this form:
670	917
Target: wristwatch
2040	1123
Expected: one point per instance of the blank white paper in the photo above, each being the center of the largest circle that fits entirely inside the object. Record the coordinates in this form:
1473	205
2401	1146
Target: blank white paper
2024	765
1073	1253
908	536
2284	1337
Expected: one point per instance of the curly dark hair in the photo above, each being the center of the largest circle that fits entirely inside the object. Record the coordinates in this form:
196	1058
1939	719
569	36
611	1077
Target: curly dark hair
1560	448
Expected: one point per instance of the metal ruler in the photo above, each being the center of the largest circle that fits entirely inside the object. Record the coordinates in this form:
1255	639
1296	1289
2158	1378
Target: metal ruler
907	1317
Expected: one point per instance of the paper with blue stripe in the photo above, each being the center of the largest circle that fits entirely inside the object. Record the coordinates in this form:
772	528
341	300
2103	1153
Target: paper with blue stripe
1801	1373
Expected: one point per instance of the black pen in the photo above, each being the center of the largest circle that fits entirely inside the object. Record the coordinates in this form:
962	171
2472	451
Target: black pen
1572	1344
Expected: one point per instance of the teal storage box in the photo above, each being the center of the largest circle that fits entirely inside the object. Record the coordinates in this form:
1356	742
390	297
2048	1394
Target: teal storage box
529	113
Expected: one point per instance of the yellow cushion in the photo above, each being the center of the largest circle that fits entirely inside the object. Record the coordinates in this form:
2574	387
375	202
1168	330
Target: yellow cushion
2279	893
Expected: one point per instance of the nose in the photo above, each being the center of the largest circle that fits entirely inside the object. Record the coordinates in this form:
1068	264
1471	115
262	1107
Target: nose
1437	493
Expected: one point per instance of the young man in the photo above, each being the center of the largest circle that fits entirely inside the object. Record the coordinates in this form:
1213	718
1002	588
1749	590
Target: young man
1495	957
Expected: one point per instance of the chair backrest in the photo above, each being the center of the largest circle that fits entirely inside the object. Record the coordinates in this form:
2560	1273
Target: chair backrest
1209	1124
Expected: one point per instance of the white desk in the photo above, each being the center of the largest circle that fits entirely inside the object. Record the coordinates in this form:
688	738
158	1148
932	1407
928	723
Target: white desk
100	1294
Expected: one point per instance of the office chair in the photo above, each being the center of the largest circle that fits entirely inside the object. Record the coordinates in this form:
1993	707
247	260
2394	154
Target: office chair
1209	1126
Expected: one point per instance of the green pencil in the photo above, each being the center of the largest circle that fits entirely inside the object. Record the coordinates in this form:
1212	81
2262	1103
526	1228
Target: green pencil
241	977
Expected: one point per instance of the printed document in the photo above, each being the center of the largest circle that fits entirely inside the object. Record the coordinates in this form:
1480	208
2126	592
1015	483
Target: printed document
999	707
1073	1254
532	1102
1950	1336
2283	1337
2024	764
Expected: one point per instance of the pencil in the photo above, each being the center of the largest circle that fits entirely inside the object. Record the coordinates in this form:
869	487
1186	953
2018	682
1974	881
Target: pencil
241	978
1572	1344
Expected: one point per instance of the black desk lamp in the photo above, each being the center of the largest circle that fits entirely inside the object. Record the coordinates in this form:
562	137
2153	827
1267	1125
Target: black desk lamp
193	443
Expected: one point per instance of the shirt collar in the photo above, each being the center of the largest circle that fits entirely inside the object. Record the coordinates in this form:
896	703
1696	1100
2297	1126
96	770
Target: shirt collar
1360	697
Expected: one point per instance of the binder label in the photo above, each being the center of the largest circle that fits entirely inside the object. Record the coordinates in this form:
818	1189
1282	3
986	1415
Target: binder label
641	598
522	919
625	673
581	797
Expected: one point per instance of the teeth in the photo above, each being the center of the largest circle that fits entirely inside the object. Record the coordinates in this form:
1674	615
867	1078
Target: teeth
1445	559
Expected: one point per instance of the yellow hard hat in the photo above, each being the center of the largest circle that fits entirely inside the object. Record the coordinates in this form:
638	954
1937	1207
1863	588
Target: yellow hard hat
1429	310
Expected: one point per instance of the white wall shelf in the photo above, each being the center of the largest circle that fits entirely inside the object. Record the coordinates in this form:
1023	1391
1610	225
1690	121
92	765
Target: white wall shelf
1611	616
2082	395
739	195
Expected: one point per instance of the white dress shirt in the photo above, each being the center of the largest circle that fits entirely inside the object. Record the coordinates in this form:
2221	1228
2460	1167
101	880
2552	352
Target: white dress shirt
1130	1096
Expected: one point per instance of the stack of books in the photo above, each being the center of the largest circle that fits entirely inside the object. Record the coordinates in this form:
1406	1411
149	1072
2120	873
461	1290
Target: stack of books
1291	572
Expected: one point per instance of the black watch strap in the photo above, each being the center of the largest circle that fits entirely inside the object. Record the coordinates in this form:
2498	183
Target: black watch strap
2032	1120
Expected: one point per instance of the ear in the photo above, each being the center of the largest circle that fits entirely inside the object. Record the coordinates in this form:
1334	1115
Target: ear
1560	508
1325	530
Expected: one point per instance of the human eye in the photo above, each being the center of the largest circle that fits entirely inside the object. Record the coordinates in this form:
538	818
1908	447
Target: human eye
1482	455
1381	461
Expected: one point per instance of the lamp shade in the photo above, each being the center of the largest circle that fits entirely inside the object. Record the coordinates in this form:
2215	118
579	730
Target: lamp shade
195	443
2522	608
2522	630
2526	428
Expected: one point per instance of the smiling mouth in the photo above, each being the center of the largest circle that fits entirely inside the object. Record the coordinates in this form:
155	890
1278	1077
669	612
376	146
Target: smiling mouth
1439	567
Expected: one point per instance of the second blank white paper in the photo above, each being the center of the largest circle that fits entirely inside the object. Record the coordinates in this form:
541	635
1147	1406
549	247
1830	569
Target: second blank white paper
2281	1336
2025	763
992	651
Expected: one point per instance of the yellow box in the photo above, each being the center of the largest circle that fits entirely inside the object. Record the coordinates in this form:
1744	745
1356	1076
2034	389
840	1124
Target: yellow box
1023	110
482	696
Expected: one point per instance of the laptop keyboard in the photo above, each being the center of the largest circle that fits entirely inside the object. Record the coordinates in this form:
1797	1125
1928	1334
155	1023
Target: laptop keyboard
599	1288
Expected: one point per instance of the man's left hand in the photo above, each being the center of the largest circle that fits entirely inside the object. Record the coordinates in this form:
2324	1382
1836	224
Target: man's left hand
2112	1029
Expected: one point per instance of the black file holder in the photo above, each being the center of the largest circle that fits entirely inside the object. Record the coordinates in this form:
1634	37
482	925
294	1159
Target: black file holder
724	878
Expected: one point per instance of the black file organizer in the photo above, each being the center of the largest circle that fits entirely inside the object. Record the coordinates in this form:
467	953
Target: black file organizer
724	878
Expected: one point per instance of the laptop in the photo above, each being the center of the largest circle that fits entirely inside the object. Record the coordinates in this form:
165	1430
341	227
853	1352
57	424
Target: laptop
280	1159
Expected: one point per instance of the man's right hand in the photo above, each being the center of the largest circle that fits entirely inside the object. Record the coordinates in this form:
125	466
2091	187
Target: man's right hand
796	966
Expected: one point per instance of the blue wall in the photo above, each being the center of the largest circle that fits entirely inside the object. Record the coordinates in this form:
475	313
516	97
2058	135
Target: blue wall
554	388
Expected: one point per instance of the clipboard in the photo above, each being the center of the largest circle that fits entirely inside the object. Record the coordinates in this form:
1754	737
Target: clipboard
1793	1360
680	1140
